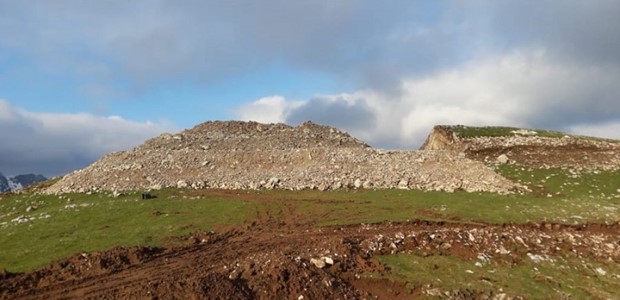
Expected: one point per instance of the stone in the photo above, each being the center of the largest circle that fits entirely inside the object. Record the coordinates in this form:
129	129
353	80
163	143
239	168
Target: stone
357	184
367	184
503	159
328	260
238	155
30	208
535	257
319	263
273	183
403	184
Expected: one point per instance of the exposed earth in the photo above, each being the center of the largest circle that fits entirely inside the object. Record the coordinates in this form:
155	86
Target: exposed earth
266	260
290	257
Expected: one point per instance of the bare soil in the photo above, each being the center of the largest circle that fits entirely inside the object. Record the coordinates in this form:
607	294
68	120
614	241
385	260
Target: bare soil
272	260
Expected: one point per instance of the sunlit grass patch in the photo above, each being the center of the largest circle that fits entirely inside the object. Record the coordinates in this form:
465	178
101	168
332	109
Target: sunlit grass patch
60	226
555	278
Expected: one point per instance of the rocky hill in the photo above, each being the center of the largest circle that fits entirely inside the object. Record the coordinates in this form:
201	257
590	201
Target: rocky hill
249	155
533	148
19	182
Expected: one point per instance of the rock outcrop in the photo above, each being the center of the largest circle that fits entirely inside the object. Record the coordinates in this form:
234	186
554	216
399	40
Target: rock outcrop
527	147
250	155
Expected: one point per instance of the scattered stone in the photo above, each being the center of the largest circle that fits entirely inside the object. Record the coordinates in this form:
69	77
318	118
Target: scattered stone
535	257
357	184
182	184
503	159
273	183
600	271
240	155
319	263
30	208
403	184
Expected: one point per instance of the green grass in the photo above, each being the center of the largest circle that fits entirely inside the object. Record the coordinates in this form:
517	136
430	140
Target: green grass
560	278
499	131
100	221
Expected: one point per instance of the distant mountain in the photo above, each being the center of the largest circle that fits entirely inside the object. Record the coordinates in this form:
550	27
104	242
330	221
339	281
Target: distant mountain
19	181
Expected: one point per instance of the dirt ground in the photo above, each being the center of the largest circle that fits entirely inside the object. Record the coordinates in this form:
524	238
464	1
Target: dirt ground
284	260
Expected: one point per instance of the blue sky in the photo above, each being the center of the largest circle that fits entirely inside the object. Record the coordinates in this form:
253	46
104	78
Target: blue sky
79	79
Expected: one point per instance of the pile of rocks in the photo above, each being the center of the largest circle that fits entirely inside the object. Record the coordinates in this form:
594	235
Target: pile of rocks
249	155
528	148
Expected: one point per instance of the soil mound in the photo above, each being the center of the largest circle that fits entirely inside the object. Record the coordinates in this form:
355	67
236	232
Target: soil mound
532	148
250	155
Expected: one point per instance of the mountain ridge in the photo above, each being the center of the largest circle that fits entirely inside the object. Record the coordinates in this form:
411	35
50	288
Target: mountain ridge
18	182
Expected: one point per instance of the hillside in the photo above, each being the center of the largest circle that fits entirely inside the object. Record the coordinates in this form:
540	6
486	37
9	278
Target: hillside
526	147
555	238
249	155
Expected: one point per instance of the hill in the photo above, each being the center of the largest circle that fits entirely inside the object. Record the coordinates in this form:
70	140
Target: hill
250	155
556	238
526	147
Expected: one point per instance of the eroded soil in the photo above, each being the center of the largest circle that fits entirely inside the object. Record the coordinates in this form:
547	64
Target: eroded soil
283	260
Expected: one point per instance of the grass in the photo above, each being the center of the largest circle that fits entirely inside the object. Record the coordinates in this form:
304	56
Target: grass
100	221
96	222
561	277
499	131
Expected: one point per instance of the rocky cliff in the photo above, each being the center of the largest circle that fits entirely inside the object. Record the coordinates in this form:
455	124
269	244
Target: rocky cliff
250	155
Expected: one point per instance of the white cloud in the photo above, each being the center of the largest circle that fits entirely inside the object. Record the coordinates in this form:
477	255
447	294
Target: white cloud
272	109
523	88
58	143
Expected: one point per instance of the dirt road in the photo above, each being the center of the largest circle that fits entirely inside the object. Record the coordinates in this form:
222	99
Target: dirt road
272	260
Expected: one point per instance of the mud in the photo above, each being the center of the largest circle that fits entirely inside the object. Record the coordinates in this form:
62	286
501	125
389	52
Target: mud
268	260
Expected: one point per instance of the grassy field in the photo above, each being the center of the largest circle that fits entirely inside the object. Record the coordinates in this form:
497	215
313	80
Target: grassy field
71	223
557	278
498	131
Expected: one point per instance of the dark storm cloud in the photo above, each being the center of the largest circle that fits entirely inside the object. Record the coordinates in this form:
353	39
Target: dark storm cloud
148	42
371	45
585	31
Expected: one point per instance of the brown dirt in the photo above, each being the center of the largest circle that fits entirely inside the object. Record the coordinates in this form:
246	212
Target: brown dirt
269	260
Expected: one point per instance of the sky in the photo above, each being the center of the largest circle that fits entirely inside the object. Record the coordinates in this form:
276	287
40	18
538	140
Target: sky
79	79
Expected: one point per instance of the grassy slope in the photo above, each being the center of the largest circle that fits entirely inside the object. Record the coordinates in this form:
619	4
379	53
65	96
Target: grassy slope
104	222
562	278
497	131
100	221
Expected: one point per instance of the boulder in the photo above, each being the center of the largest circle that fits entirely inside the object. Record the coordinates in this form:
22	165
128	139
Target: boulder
503	159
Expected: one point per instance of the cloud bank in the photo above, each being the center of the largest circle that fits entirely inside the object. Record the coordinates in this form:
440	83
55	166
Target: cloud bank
54	144
523	88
